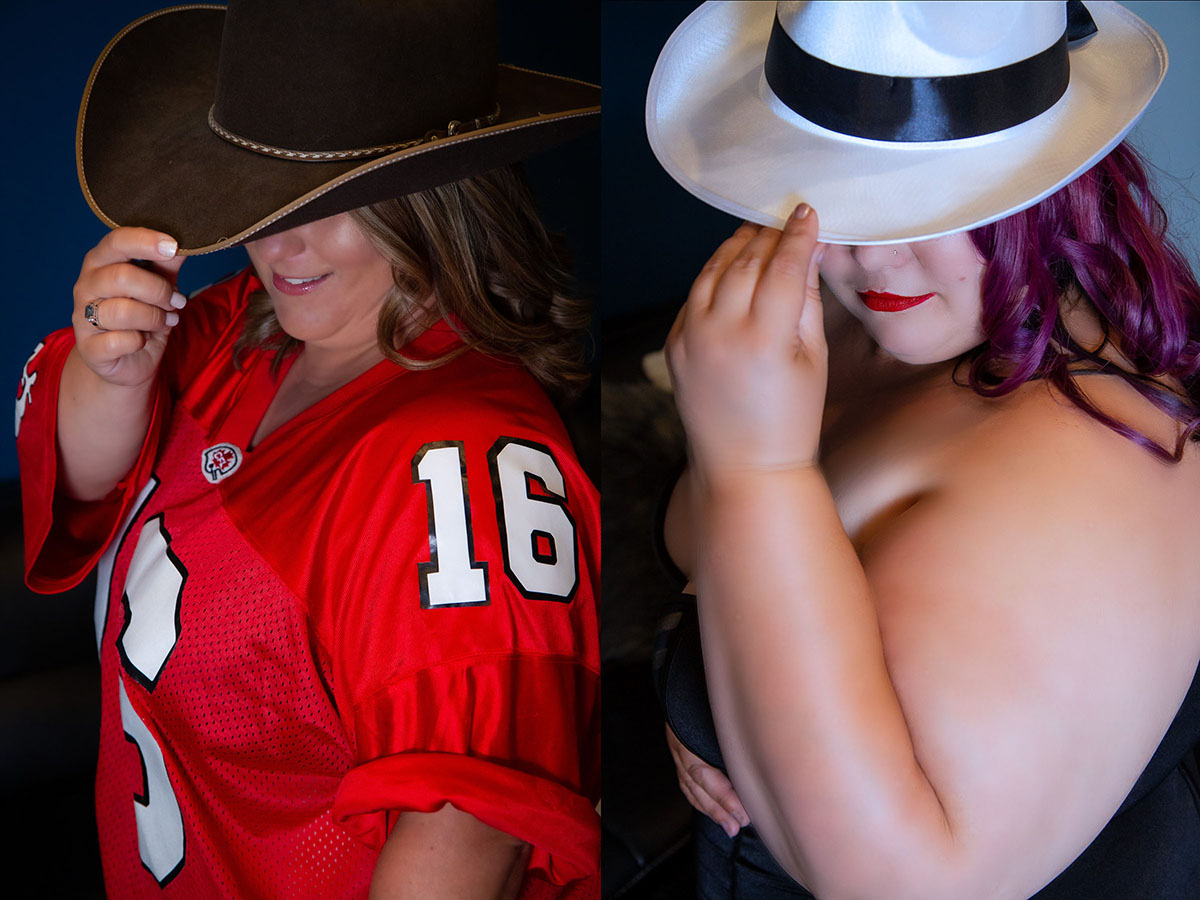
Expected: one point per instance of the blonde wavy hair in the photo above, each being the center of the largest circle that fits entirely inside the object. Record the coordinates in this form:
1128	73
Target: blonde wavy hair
479	250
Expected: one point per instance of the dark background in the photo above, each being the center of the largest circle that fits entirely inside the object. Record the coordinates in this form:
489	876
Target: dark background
48	51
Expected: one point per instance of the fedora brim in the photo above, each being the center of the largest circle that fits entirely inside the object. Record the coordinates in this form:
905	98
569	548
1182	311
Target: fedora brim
718	131
146	155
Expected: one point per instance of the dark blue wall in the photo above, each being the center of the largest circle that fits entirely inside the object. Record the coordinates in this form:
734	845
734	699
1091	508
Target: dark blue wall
49	49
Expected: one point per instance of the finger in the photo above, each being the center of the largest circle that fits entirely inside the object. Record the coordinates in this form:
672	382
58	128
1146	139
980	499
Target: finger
126	314
695	804
717	786
779	298
735	290
168	268
112	345
687	765
128	280
701	295
123	244
705	804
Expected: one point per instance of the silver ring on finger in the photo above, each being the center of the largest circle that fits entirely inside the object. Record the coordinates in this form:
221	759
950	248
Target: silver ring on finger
91	312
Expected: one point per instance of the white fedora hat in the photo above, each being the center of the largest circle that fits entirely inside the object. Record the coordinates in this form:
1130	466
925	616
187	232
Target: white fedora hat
897	121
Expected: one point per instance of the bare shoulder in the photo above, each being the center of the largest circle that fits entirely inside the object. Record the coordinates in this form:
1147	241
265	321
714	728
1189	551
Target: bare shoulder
1039	453
1039	493
1042	590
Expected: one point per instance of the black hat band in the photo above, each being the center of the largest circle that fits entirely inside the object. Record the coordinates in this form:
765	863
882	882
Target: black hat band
902	109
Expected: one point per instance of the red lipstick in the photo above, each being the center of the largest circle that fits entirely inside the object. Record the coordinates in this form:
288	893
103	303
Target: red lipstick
287	287
881	301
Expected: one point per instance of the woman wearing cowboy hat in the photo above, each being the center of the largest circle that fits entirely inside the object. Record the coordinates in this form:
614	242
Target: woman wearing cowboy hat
346	554
939	528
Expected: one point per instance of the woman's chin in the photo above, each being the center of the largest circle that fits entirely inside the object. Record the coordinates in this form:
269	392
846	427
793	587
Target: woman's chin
918	350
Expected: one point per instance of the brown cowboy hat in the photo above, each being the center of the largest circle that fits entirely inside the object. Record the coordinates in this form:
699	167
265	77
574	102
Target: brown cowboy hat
219	124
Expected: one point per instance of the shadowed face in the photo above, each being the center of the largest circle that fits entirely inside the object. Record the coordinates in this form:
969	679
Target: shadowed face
921	302
326	281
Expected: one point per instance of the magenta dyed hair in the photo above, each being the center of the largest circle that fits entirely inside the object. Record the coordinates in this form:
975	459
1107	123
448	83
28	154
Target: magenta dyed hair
1102	237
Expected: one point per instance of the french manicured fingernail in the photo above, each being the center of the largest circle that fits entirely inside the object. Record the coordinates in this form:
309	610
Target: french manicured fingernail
178	300
801	211
167	248
172	319
731	828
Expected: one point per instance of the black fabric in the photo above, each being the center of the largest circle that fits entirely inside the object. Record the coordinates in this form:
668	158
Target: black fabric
894	108
1080	23
1150	850
679	679
678	661
739	868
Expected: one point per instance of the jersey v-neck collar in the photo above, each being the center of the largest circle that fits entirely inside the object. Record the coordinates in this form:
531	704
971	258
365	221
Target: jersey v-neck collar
260	384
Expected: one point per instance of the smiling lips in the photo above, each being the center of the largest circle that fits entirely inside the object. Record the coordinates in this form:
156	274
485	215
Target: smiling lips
295	286
877	301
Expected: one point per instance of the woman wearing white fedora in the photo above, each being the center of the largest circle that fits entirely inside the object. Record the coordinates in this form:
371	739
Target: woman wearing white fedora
941	524
345	552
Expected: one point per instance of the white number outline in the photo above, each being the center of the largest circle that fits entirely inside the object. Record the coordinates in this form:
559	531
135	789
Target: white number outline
434	565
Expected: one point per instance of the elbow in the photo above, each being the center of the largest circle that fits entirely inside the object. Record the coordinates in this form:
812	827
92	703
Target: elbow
900	866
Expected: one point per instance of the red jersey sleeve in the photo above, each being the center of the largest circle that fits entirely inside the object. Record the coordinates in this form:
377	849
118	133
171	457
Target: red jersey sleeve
64	538
462	628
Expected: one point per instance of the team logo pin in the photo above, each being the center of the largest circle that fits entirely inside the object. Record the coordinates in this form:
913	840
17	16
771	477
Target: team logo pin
220	461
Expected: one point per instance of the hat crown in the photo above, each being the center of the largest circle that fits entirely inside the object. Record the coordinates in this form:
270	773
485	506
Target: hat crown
922	38
328	75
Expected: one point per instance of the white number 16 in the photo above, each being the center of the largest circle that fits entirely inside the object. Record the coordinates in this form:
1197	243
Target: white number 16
537	533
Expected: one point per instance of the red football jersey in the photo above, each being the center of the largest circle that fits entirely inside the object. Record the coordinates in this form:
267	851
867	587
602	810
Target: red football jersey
386	605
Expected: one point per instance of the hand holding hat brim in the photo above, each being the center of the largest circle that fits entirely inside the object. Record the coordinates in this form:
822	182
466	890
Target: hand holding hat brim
748	355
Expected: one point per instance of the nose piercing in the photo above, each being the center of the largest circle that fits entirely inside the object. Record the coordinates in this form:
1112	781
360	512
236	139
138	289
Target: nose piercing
895	253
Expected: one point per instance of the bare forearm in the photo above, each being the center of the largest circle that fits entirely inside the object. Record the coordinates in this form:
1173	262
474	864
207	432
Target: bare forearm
809	720
448	855
101	428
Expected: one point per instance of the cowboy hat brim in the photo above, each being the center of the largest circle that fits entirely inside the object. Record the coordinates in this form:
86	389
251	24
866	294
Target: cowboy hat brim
717	130
145	110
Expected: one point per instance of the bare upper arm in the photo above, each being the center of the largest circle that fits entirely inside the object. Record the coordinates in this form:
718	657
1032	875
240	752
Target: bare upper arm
448	854
1035	624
